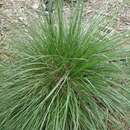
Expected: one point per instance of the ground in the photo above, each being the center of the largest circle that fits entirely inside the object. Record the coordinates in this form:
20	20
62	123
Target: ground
14	10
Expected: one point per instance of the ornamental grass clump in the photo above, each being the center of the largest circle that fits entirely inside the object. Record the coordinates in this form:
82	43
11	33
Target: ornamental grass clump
64	75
